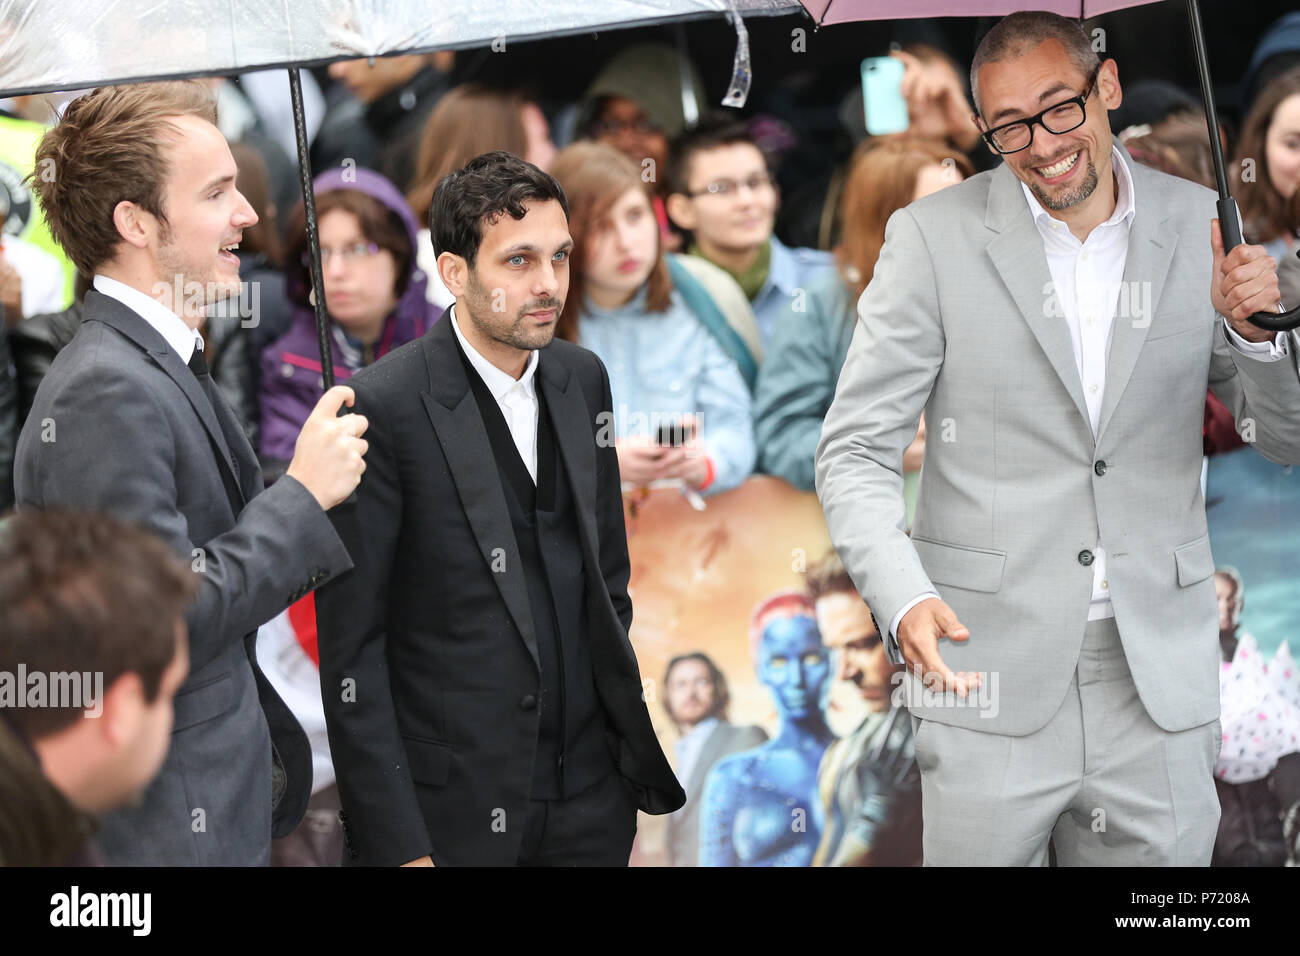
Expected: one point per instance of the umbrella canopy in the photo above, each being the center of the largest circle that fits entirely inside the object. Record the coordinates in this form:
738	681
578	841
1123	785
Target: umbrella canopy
847	11
46	46
827	12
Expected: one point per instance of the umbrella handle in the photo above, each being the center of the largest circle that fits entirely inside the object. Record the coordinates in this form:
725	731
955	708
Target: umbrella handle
1230	227
1229	217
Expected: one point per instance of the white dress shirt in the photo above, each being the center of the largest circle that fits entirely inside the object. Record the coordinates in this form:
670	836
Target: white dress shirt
1087	279
517	398
182	339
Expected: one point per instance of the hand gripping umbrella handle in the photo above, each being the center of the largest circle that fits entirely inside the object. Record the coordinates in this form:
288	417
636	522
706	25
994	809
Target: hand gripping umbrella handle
1230	225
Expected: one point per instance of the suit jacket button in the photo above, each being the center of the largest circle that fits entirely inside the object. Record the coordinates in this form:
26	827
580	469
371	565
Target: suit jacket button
1099	467
528	702
1085	558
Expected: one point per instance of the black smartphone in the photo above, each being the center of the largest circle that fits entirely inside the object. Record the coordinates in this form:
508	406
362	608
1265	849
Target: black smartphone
675	435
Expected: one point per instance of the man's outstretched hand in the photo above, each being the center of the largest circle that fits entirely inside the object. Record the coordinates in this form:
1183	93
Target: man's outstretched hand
918	638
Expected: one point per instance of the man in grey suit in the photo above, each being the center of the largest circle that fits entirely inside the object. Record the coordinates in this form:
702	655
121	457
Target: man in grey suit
696	700
1051	318
143	198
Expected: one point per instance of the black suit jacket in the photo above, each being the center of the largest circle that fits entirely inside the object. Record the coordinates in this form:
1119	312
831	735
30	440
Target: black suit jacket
427	647
121	425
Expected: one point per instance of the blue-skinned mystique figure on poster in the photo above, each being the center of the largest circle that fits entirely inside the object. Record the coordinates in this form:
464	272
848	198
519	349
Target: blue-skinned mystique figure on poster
760	806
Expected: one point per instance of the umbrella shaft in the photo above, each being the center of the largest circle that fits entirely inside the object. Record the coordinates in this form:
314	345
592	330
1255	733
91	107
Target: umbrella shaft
313	235
1207	96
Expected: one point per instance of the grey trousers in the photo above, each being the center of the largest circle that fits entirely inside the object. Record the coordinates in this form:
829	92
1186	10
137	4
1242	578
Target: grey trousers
1101	780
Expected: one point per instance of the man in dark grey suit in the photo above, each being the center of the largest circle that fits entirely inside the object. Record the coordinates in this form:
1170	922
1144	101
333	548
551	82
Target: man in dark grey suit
696	699
143	198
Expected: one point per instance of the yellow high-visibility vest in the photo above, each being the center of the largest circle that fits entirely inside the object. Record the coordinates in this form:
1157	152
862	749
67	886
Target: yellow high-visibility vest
20	213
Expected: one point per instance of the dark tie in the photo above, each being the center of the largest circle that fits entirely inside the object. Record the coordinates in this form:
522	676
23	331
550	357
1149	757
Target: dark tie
199	366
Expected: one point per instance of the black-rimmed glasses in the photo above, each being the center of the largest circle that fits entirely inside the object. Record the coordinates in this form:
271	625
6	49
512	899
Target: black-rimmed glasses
1061	118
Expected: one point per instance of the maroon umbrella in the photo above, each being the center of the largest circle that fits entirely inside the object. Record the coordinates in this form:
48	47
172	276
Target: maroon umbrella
826	12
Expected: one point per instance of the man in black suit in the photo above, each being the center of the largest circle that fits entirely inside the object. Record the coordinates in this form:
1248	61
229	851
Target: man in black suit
127	421
483	700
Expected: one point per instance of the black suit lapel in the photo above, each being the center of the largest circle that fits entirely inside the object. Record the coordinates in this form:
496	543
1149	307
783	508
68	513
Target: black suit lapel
458	426
106	309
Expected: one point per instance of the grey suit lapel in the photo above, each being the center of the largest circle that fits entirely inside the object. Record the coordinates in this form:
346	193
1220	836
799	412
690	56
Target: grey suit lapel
459	428
1151	244
108	310
1017	254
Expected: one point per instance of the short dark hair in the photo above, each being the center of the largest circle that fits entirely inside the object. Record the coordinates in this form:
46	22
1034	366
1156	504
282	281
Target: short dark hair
488	185
85	592
1018	33
721	696
713	132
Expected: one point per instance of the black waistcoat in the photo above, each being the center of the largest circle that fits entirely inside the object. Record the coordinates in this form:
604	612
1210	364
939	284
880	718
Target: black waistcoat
571	749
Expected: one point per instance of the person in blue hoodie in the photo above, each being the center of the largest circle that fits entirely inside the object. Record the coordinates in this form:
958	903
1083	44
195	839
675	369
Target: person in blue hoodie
374	291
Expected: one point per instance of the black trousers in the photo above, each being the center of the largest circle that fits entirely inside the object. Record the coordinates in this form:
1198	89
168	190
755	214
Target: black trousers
595	827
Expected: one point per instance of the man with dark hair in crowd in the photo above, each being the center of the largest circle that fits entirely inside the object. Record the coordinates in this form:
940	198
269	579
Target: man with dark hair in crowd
487	709
868	782
696	701
721	190
92	618
129	422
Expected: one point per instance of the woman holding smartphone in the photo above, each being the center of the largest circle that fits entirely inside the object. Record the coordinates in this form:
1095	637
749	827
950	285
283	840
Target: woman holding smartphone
682	409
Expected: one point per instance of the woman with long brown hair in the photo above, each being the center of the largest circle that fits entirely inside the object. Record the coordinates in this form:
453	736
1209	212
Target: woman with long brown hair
1266	168
682	408
471	120
798	377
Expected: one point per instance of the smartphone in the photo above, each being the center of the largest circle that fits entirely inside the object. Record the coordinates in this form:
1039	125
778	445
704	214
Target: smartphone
675	436
883	105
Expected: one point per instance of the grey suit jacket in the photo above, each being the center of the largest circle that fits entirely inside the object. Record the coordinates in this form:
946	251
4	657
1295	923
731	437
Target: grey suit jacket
121	425
684	824
958	321
1288	278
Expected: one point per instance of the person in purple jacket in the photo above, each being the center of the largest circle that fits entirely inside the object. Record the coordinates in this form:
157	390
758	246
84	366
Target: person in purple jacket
374	291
